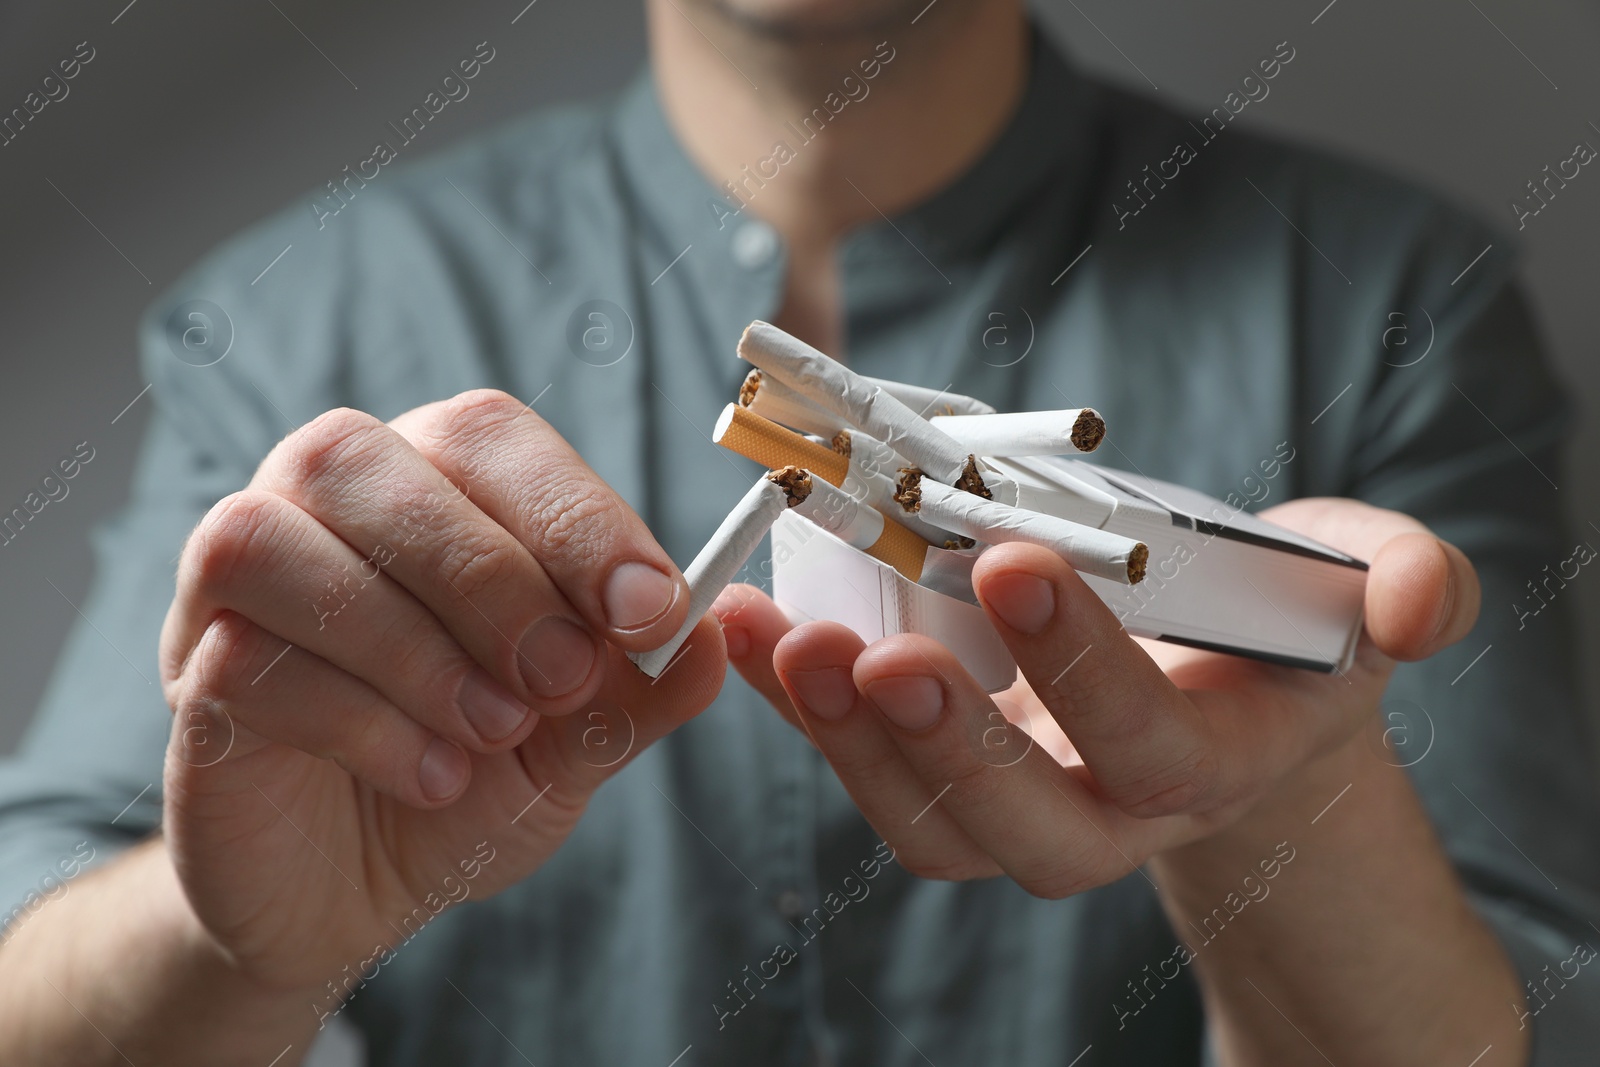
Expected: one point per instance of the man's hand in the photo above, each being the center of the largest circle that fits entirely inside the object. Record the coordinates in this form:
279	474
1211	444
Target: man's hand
396	665
1135	748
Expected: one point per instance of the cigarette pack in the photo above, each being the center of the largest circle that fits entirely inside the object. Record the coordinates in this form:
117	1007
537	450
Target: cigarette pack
1218	578
817	576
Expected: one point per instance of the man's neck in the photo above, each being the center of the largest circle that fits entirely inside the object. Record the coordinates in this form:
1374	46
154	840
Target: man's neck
942	91
818	135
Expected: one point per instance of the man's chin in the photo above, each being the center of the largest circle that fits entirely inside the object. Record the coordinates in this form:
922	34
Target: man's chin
816	19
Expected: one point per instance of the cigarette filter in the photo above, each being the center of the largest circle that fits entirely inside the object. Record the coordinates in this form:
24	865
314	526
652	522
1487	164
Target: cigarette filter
753	437
726	552
838	389
929	402
1026	433
742	431
1108	555
863	526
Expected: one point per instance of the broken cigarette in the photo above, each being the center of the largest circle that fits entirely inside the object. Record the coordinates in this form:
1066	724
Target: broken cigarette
726	552
753	437
867	453
863	526
1026	433
861	404
771	399
1108	555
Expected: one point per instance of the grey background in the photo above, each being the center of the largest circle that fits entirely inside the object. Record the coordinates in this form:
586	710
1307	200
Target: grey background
197	118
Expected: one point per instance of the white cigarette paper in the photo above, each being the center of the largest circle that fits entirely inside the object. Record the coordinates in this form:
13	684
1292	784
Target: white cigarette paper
1108	555
856	524
718	562
878	490
1036	484
1026	433
929	402
768	397
872	484
870	454
861	404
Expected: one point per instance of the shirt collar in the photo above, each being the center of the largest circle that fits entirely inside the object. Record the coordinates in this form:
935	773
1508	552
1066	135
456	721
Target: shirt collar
1045	143
672	191
1050	130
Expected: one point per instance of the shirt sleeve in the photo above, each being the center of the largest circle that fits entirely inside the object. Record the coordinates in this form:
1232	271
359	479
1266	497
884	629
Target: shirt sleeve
86	780
1468	438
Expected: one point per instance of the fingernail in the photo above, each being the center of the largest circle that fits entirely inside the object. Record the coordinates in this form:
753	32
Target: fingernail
443	771
492	711
556	655
1024	602
737	638
910	701
636	595
827	693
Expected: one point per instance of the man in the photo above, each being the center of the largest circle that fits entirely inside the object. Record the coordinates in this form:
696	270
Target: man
394	651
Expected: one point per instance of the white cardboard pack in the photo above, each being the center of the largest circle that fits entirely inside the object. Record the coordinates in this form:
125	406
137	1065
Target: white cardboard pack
1219	579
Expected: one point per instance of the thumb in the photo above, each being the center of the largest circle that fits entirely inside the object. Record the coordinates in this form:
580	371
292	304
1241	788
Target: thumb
1422	593
1422	596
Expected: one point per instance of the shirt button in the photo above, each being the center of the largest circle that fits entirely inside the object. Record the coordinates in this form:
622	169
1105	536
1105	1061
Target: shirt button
790	905
754	245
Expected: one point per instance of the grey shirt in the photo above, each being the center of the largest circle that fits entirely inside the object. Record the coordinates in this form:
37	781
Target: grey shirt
579	260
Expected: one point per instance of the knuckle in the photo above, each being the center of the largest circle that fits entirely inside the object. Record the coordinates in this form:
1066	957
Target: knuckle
978	785
231	540
1086	862
566	765
425	671
223	662
467	435
411	648
562	806
479	412
1186	783
1094	696
363	741
941	868
568	780
1059	881
477	563
327	444
573	511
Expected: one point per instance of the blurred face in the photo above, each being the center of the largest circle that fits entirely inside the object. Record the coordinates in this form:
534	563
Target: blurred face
816	19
